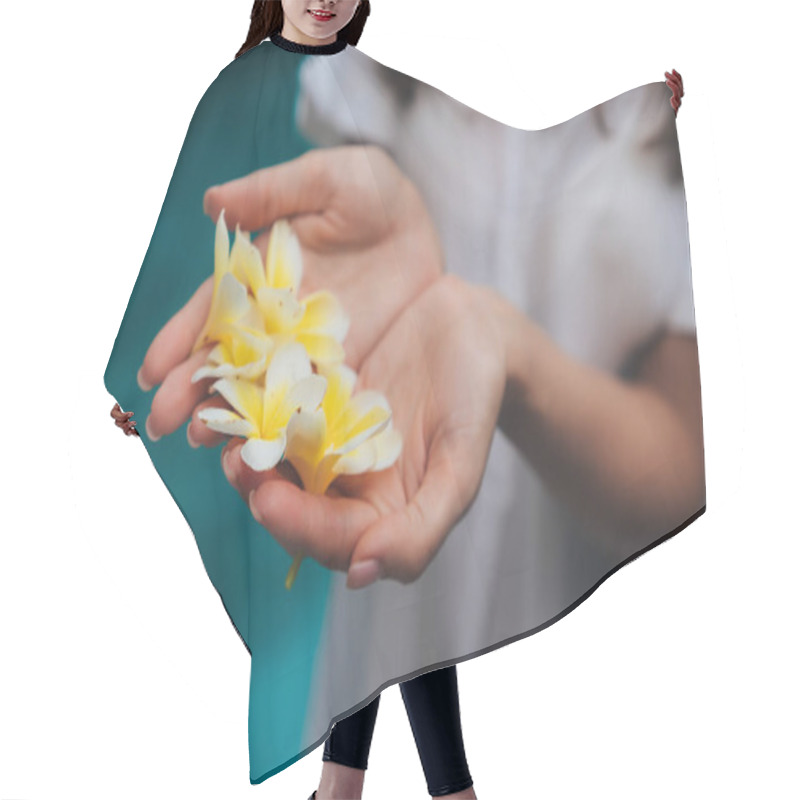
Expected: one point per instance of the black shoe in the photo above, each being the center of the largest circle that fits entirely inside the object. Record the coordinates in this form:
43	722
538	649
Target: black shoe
313	795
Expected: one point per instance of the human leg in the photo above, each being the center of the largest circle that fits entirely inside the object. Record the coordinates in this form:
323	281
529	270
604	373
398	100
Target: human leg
433	709
351	737
346	753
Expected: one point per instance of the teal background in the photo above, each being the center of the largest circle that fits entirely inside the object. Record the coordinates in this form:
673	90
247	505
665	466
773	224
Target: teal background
243	122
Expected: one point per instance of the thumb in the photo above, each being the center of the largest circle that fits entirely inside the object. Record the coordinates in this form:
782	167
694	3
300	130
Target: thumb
303	185
404	542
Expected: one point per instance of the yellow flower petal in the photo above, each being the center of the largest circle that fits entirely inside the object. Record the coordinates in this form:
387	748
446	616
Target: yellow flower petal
366	414
305	442
244	396
284	265
325	314
229	303
321	348
245	262
341	381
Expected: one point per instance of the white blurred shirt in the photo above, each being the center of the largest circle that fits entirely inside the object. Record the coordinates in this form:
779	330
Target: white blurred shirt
586	233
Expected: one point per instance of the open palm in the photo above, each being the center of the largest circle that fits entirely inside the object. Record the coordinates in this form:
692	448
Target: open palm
441	366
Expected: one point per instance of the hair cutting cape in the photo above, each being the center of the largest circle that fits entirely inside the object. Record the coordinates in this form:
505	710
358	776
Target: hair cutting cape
331	318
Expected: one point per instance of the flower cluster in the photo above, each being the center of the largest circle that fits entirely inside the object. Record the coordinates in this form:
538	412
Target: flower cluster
279	364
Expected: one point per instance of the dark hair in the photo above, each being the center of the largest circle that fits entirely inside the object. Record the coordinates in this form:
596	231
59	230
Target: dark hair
266	19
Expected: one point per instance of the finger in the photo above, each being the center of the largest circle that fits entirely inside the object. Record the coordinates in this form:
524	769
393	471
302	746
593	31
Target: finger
319	526
177	396
677	89
674	79
173	343
301	186
198	433
239	475
231	461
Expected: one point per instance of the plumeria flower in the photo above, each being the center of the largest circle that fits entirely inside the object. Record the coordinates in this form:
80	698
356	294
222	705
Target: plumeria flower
262	299
347	435
262	411
318	321
234	272
241	352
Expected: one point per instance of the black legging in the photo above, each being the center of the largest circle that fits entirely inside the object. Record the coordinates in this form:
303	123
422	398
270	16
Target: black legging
432	706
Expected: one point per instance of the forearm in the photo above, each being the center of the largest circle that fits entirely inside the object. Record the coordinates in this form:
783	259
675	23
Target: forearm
616	451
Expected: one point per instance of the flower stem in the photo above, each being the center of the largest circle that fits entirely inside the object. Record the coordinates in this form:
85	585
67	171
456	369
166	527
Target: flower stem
293	571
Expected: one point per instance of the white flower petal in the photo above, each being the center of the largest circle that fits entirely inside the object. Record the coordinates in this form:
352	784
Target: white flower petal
305	434
359	460
367	399
244	396
218	354
218	371
252	371
223	420
388	444
289	363
307	393
221	245
263	454
354	440
232	300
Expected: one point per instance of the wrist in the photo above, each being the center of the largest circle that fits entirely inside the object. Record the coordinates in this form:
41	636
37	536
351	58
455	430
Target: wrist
514	331
521	341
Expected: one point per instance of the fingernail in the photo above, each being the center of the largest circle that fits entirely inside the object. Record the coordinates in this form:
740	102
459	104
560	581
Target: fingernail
363	573
192	442
226	457
253	509
206	200
145	387
153	437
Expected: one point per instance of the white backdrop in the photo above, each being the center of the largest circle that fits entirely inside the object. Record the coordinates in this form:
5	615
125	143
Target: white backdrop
120	673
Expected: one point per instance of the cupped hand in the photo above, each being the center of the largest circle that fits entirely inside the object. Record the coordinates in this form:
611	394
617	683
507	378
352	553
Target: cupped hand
442	368
365	235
